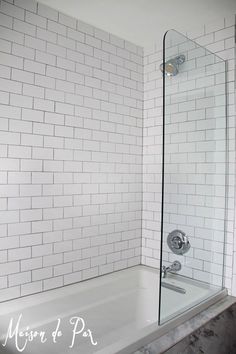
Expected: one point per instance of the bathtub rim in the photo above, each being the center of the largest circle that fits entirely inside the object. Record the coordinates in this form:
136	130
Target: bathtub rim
153	332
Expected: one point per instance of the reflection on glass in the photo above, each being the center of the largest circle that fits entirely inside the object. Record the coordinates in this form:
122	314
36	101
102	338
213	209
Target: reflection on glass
194	175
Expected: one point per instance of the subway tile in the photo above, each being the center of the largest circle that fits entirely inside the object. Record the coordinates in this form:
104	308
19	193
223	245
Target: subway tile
19	253
40	226
66	42
31	288
45	58
35	19
56	27
5	46
43	105
11	35
27	5
34	66
57	73
67	20
5	71
52	260
35	43
39	274
64	108
79	163
24	27
46	35
11	60
76	35
53	283
54	95
12	10
48	12
6	20
32	263
11	86
10	111
85	28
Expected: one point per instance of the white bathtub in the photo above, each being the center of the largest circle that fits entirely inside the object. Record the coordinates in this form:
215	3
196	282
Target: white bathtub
121	310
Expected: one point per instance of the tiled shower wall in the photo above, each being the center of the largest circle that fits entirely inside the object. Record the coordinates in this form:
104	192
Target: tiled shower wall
71	101
71	150
191	123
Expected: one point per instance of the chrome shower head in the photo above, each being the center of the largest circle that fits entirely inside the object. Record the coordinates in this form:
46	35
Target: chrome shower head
171	67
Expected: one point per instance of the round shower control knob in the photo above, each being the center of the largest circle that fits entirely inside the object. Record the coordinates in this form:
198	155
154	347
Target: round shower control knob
178	242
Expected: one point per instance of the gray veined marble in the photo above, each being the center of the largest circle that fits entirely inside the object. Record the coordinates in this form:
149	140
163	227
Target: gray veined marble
212	331
218	336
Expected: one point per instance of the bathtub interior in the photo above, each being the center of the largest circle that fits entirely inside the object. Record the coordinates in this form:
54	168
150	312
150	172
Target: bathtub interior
115	306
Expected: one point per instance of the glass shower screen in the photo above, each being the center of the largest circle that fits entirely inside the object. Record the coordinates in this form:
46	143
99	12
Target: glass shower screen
194	175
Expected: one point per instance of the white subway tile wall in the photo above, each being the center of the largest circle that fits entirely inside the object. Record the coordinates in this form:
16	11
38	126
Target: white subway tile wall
71	101
76	198
194	191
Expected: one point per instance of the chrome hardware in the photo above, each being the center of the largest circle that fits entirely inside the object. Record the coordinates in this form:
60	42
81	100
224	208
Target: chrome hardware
173	268
178	289
178	242
171	66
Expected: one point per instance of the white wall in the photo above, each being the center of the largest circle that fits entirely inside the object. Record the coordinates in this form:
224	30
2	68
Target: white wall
143	22
71	150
